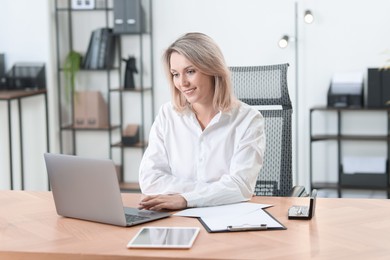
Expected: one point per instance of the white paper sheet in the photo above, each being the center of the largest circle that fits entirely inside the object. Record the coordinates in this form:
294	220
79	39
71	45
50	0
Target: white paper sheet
347	83
364	164
224	210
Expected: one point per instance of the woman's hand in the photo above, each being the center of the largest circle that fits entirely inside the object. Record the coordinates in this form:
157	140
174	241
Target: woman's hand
161	202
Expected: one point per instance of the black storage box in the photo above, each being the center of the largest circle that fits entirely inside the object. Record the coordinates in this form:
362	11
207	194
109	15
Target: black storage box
130	135
129	17
365	180
26	76
345	100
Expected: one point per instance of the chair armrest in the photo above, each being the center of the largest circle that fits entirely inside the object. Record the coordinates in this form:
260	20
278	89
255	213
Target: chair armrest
298	191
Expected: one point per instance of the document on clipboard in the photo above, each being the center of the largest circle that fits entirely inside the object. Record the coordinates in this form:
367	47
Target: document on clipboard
254	221
244	216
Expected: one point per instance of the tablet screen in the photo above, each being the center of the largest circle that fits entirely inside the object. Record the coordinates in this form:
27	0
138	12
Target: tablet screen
164	237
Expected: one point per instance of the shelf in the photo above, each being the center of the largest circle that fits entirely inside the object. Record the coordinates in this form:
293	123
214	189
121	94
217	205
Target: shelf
136	145
364	180
103	69
71	127
335	186
323	108
70	9
89	70
131	89
325	185
68	35
15	94
359	181
351	137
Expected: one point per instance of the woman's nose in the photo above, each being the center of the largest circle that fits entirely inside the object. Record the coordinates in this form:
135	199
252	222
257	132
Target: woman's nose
184	81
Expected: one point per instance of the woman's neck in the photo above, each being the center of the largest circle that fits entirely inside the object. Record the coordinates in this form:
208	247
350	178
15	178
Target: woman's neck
204	114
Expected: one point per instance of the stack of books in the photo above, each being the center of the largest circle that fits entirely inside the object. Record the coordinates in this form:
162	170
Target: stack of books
101	49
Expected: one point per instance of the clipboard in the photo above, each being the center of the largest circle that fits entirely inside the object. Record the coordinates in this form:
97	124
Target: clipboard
265	221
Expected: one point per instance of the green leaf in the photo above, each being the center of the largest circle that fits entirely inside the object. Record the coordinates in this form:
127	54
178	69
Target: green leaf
72	65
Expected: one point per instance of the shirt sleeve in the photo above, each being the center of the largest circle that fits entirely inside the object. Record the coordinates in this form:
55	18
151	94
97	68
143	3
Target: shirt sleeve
238	185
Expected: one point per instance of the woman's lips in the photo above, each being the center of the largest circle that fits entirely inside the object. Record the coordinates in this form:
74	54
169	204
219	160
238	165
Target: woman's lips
189	91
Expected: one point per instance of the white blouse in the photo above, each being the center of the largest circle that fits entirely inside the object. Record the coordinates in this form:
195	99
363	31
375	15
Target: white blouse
216	166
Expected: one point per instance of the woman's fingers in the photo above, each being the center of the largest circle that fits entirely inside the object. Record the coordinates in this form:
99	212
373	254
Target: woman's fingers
160	202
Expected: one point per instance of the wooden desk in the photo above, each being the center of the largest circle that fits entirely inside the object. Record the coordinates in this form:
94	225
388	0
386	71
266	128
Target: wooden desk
341	229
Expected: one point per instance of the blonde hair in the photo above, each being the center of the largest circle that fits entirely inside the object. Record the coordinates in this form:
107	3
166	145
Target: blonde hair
207	57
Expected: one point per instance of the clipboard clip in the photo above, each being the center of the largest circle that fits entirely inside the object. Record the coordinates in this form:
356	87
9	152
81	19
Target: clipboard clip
247	227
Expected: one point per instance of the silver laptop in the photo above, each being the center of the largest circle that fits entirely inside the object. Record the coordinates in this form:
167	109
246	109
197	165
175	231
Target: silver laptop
88	189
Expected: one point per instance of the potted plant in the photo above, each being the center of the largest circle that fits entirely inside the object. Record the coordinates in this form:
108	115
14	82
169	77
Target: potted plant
72	65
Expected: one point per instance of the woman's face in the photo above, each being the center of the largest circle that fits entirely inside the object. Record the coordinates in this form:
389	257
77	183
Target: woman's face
197	87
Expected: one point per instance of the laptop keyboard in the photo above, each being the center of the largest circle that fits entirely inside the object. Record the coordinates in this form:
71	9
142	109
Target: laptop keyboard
133	218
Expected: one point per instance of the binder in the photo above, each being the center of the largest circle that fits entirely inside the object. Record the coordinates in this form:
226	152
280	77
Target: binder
107	49
96	38
386	89
87	58
378	91
374	88
101	49
110	51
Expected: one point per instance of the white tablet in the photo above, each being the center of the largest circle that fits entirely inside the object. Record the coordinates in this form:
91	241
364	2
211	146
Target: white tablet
164	237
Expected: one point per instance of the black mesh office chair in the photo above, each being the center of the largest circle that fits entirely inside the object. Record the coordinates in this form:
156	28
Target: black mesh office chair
266	86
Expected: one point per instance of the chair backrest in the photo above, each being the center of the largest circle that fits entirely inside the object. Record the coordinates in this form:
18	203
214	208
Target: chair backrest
266	86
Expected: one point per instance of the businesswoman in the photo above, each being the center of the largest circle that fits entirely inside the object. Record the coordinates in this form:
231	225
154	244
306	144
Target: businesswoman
205	147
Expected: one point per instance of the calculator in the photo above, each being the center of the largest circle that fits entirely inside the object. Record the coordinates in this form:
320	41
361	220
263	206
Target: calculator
304	212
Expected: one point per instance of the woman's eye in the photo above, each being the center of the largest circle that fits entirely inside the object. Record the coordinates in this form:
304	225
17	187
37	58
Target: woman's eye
175	75
191	71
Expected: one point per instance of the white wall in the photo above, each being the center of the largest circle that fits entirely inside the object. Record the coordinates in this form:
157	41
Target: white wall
346	35
245	30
